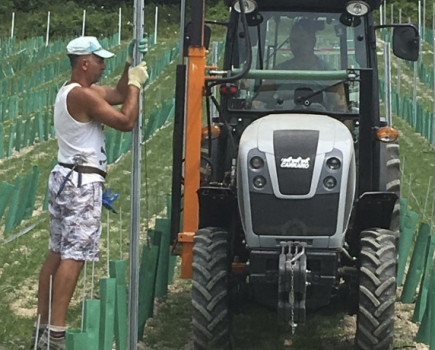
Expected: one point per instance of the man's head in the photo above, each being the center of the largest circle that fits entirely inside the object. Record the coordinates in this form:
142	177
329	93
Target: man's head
302	39
86	45
87	59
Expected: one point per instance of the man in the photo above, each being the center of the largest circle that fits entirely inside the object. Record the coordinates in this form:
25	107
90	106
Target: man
75	183
302	42
279	93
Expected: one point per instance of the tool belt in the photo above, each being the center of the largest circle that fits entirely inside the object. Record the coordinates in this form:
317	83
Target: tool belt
84	169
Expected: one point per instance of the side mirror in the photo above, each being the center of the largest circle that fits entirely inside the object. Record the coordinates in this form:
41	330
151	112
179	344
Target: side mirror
406	42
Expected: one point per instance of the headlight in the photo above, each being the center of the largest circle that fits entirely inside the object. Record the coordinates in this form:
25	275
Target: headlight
256	162
248	5
333	163
357	8
259	182
330	182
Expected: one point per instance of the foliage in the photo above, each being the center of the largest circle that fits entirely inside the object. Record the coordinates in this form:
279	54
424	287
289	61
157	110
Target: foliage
66	18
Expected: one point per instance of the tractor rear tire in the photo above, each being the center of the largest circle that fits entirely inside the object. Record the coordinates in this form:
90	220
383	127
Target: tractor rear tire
210	296
377	290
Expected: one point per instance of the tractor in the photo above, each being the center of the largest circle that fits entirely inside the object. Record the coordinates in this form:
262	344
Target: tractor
289	191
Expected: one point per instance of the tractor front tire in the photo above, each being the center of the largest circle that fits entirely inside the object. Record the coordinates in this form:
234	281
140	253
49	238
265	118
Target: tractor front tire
377	290
392	176
210	296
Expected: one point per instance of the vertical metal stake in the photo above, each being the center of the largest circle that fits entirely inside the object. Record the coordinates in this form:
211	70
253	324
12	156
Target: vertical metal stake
84	297
133	302
47	36
108	244
38	324
433	108
84	23
13	24
214	62
120	233
387	62
50	299
119	26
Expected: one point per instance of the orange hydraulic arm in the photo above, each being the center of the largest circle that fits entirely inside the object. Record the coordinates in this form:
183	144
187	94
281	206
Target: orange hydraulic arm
195	89
192	134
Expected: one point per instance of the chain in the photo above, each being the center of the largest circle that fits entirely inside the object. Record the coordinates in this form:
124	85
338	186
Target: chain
292	299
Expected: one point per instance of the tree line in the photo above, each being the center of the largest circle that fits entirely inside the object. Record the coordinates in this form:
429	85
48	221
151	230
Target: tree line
66	17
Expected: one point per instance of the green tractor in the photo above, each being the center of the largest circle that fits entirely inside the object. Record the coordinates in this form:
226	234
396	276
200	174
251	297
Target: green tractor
290	192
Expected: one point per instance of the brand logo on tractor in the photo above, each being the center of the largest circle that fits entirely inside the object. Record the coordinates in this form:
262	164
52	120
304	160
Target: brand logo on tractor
295	163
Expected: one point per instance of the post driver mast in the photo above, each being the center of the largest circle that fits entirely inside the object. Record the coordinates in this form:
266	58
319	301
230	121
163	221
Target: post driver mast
139	9
192	143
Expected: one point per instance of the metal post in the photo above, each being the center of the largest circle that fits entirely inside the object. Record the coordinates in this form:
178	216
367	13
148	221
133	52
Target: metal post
381	14
433	48
419	21
13	24
387	64
48	29
414	95
423	25
133	295
385	12
433	109
392	14
156	21
84	23
119	27
214	62
399	61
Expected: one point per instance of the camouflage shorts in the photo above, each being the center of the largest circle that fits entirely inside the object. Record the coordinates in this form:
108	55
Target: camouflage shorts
75	218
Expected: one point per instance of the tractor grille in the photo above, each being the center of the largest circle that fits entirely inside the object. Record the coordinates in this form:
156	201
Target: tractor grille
316	216
295	153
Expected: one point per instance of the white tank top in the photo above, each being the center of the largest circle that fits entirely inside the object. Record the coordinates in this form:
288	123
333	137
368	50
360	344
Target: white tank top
77	139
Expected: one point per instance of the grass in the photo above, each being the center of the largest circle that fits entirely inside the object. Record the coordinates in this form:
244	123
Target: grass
417	158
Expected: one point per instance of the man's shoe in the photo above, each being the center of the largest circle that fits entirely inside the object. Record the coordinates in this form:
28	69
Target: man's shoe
55	343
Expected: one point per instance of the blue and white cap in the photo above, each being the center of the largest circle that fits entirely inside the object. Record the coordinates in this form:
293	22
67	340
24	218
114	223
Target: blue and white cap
86	45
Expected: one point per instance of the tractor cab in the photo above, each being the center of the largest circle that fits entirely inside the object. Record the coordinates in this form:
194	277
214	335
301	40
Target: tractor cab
301	61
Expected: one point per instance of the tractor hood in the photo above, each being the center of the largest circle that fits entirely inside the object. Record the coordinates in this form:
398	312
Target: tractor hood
307	5
265	130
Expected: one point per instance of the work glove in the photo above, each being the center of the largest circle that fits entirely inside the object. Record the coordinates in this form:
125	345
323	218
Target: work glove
138	75
142	47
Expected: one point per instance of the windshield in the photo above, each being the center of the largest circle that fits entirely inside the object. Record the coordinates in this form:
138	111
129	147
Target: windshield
300	61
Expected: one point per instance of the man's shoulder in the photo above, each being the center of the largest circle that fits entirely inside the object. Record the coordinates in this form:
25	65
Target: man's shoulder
82	93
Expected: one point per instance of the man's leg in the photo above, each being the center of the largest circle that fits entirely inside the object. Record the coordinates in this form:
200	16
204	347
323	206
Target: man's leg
80	225
64	285
49	268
